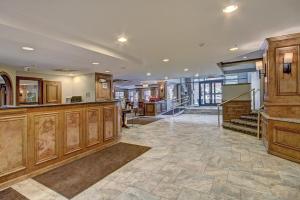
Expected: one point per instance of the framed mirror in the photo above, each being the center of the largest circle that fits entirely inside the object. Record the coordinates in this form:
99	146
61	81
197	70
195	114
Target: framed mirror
29	91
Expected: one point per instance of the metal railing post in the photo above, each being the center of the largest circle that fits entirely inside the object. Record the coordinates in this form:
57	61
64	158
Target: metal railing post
218	115
253	98
258	125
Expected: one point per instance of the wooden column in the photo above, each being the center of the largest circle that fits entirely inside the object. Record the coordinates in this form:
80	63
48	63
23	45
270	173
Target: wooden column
281	118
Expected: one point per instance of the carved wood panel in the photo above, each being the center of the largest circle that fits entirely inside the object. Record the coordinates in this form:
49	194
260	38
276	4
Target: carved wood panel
52	92
287	83
287	137
46	137
13	144
108	121
73	131
93	134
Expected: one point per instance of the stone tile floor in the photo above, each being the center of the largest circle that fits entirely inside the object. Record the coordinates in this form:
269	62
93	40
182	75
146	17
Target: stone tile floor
191	158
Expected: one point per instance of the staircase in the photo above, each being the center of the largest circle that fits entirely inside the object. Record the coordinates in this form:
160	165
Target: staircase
245	124
212	110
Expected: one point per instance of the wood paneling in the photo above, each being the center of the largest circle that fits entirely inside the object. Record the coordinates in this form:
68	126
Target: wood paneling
108	122
45	130
73	138
52	92
38	138
287	84
94	128
281	132
13	144
235	109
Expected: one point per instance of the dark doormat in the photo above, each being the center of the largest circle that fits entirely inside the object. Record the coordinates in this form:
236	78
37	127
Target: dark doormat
143	120
11	194
73	178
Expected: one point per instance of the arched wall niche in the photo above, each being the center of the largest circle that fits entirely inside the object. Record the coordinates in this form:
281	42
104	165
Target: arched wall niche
9	87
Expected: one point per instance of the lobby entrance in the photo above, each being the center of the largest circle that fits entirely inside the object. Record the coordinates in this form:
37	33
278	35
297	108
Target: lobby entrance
207	93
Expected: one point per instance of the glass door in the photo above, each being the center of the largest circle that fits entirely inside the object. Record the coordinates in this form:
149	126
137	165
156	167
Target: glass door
210	93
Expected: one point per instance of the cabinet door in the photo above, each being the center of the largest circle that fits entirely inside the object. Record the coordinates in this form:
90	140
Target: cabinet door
52	92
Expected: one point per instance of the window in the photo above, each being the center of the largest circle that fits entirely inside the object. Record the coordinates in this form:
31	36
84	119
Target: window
147	94
120	95
131	96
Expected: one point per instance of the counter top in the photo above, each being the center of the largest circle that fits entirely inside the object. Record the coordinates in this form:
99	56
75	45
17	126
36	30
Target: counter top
52	105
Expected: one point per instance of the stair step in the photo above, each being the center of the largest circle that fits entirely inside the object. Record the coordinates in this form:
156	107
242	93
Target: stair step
240	128
249	117
244	123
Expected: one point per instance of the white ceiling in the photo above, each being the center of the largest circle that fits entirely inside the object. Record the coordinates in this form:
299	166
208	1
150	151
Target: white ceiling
73	33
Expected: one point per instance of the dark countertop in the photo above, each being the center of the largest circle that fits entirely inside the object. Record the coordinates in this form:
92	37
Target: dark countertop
52	105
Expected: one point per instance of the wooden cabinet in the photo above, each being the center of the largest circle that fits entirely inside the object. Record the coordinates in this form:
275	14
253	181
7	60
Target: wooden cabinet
104	85
52	92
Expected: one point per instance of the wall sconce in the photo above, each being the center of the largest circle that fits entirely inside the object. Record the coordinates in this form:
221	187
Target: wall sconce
260	68
259	65
287	63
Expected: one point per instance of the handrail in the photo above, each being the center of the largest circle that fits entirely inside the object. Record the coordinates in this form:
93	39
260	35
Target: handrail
258	120
177	104
236	97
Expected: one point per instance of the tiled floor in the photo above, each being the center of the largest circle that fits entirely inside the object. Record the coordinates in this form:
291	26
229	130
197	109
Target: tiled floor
191	158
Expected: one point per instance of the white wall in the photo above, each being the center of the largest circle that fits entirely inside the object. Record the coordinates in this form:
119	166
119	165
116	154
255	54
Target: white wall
84	85
66	82
256	84
231	91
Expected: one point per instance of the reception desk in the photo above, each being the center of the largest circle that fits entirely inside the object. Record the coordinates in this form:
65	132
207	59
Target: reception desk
34	139
155	108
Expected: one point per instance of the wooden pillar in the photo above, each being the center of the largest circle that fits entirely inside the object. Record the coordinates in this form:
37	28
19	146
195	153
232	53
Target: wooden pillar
281	117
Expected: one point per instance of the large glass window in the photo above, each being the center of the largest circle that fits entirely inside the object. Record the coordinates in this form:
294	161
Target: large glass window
119	95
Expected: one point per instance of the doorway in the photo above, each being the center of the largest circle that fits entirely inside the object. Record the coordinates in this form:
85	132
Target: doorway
210	93
6	90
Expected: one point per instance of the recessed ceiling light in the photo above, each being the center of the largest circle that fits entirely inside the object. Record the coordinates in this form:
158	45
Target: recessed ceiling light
122	39
197	75
166	78
230	9
245	57
186	69
28	48
234	49
95	63
148	74
166	60
107	71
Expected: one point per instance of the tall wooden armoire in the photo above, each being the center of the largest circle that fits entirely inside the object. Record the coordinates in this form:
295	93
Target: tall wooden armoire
281	117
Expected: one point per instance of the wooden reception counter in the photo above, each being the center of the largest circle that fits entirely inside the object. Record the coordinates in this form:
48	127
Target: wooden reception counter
37	138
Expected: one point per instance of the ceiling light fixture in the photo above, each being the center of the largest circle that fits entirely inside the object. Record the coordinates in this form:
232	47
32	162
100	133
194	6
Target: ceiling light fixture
245	57
234	49
230	8
95	63
186	69
122	39
148	74
197	75
28	48
166	78
107	71
166	60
